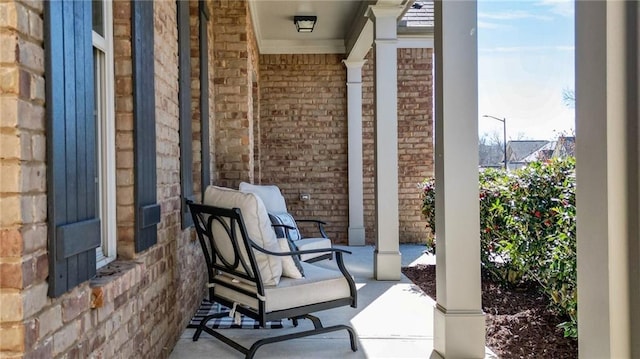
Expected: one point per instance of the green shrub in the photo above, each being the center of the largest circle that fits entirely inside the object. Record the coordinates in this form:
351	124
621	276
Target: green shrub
527	229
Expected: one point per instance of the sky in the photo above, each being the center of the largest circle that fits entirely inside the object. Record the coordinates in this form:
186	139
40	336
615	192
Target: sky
525	61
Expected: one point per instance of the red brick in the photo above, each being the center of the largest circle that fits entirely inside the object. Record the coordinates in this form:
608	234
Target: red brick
11	275
42	351
30	333
25	84
42	267
73	305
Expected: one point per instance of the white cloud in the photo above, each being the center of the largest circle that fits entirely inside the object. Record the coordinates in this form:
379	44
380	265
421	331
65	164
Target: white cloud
519	49
490	25
511	15
563	8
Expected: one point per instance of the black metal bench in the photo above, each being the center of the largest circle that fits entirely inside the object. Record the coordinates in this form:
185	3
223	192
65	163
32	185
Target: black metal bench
235	280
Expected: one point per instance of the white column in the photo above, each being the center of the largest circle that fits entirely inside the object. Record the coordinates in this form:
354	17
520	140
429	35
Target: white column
607	178
386	260
354	117
459	326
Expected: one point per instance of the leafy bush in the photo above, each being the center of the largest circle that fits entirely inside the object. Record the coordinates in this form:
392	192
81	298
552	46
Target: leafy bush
527	229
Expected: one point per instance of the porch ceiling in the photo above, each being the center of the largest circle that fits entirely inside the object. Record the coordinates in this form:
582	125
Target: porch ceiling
340	24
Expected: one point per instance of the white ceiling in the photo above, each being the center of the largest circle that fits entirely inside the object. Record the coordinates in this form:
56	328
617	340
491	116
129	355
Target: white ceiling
276	33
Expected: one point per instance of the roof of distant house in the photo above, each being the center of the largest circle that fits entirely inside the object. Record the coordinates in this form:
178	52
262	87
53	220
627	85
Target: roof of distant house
419	16
543	153
521	150
566	146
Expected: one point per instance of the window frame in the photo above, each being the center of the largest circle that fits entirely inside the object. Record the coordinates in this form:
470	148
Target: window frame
105	138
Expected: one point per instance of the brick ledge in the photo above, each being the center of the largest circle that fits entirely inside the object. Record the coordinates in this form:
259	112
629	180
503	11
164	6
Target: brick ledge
113	280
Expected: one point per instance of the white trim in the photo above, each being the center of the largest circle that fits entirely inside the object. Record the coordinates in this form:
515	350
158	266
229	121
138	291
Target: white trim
363	44
301	47
607	165
255	19
354	130
106	142
99	41
416	41
338	46
459	328
387	254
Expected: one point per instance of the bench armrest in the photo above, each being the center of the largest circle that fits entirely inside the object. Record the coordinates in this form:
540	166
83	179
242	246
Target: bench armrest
339	261
307	251
319	223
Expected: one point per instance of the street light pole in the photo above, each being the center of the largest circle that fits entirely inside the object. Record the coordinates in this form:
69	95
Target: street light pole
504	134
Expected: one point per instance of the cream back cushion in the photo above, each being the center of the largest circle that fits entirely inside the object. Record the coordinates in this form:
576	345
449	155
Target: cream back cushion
258	226
289	267
269	194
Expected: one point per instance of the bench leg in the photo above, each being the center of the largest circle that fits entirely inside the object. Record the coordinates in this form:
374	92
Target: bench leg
318	329
203	323
250	352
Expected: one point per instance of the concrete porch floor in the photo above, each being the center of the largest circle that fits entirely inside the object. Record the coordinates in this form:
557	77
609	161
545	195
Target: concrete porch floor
393	320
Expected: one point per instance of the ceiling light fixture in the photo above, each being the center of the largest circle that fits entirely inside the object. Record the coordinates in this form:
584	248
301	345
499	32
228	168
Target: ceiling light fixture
305	23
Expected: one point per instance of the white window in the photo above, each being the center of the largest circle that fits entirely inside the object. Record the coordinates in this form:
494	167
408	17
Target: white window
105	128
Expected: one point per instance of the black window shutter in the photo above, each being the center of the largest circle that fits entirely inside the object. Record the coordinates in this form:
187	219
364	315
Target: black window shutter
184	103
74	226
204	96
144	118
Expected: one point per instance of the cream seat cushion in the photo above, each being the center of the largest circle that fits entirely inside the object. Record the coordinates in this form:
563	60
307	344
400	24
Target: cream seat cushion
318	285
312	243
258	226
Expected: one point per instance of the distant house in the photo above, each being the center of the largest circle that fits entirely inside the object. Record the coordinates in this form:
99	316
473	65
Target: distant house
565	146
543	153
522	152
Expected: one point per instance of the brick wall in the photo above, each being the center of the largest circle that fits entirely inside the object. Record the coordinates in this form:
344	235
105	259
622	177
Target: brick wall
195	99
124	128
137	306
254	107
173	266
303	127
368	148
196	95
233	67
415	140
23	231
303	137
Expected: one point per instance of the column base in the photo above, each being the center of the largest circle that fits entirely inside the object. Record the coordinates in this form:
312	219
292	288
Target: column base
459	334
356	236
386	265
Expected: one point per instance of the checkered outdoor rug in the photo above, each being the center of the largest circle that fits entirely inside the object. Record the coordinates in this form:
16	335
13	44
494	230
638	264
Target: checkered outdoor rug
208	308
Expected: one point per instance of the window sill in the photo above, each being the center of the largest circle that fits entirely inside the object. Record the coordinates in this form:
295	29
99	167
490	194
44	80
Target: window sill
113	280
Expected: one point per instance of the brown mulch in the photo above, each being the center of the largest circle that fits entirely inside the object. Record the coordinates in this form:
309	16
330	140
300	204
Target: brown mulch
519	324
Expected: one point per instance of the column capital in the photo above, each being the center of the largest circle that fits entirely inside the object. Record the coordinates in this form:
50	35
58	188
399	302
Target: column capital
385	19
354	71
385	11
353	64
